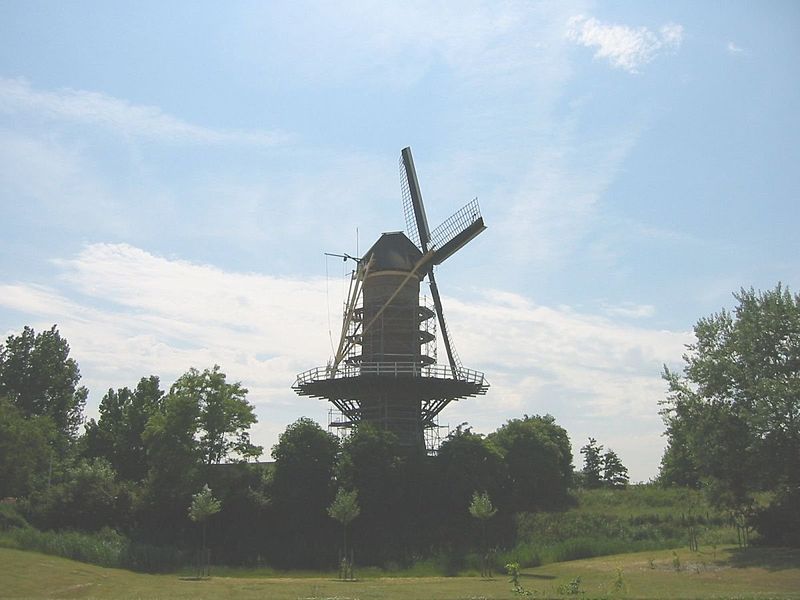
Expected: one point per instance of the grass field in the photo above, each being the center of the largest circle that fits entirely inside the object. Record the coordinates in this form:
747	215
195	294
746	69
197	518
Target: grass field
726	573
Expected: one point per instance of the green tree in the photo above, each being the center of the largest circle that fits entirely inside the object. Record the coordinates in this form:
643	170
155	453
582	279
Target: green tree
481	508
87	496
118	435
467	462
40	379
301	489
678	465
224	414
592	472
203	507
736	406
25	450
615	474
371	462
345	509
174	467
200	422
538	455
305	463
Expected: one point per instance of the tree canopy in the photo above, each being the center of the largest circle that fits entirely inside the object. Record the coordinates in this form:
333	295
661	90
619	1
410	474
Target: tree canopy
38	376
224	415
305	462
733	415
118	434
592	473
538	455
25	450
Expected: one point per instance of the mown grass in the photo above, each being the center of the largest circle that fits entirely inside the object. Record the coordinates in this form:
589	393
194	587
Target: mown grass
724	573
727	572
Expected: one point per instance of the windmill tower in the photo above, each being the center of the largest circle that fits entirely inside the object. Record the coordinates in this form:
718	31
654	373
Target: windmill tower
385	370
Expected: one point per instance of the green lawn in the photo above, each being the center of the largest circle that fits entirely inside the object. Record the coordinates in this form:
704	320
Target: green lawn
759	573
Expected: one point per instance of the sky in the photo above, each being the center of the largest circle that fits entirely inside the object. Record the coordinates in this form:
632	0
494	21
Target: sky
172	175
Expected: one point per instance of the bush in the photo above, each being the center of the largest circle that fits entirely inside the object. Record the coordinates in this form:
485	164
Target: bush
779	523
10	518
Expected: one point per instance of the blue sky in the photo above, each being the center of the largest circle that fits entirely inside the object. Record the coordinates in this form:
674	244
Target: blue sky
171	175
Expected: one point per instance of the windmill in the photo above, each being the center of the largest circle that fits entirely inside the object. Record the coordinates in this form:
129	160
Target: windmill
385	371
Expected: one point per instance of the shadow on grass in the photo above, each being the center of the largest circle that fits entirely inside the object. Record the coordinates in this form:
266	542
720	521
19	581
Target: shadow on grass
772	559
535	576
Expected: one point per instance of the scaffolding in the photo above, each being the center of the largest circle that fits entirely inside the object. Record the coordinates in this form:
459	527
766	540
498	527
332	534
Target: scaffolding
341	427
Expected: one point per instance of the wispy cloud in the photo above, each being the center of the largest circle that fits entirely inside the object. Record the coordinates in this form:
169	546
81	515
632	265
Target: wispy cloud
102	110
399	42
625	47
735	50
129	313
631	310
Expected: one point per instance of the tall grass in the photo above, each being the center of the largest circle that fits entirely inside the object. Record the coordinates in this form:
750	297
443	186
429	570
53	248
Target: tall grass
605	522
106	548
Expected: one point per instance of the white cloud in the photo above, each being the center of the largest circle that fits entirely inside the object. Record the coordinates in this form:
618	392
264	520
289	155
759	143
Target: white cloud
734	49
631	310
624	47
128	313
95	108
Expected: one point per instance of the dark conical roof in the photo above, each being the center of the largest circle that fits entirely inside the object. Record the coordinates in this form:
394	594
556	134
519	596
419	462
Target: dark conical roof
393	252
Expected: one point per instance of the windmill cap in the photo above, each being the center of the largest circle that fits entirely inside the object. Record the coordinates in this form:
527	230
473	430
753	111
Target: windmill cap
393	252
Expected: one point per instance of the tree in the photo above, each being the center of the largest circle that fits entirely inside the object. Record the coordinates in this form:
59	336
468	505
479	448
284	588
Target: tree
467	462
615	474
202	421
305	463
538	455
25	450
87	496
301	489
40	379
118	434
678	464
736	406
203	506
174	463
481	508
224	414
345	509
592	464
371	462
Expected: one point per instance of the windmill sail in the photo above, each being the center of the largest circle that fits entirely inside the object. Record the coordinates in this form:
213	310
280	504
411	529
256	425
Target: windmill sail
456	231
446	239
452	356
413	208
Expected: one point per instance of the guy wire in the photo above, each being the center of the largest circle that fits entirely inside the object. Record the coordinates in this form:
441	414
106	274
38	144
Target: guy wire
328	305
